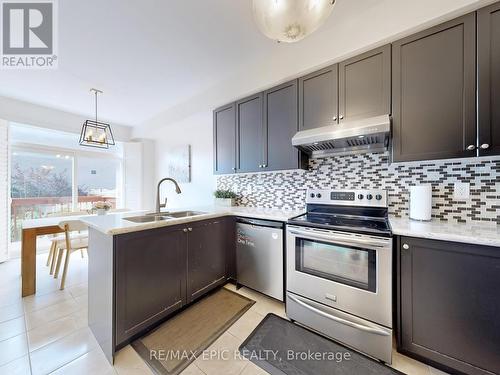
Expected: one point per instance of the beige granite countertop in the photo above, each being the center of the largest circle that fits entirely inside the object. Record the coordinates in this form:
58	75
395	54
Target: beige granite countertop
113	224
474	233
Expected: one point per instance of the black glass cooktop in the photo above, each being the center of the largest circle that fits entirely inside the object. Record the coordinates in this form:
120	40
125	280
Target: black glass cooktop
376	225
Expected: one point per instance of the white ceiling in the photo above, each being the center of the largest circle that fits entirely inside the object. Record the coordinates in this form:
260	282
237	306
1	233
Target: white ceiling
160	56
145	55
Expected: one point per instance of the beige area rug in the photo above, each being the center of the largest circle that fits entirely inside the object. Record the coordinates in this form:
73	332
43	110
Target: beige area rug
171	347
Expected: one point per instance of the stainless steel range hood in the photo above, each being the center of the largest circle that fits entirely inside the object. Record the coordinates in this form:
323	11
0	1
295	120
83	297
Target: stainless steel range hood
350	137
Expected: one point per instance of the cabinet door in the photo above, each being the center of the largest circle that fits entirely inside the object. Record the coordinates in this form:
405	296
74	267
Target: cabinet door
318	99
206	257
434	92
251	144
280	125
488	56
150	284
449	299
365	85
225	139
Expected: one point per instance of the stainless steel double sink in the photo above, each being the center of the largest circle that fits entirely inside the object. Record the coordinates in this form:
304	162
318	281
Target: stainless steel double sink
152	217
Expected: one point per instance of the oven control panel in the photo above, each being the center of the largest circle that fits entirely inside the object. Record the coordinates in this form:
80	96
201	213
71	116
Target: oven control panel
367	198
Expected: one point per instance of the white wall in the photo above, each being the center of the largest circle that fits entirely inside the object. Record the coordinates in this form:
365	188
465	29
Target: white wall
36	115
354	27
196	131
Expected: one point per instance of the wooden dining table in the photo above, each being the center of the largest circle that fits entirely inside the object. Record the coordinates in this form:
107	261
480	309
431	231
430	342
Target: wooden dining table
31	229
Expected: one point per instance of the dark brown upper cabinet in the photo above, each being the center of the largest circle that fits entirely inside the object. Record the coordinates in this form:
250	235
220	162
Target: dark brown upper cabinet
488	59
249	133
207	255
447	303
224	125
434	92
280	125
365	85
318	98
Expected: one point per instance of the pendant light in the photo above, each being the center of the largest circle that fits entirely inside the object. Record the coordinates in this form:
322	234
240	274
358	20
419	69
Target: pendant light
290	20
95	133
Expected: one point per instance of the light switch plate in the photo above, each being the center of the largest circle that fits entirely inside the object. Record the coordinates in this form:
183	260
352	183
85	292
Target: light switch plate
461	190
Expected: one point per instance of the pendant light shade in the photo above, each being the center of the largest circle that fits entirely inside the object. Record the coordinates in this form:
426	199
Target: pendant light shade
290	20
95	133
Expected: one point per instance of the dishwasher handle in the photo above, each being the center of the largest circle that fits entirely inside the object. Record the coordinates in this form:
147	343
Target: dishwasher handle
260	223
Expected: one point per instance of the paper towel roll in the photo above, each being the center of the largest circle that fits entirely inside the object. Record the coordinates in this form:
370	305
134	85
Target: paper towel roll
421	202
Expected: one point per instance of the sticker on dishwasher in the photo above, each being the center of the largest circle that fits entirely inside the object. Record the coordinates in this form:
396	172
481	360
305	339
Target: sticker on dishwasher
275	236
243	238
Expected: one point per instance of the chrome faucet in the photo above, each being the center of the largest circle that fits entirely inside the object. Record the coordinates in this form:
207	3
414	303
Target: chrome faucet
159	205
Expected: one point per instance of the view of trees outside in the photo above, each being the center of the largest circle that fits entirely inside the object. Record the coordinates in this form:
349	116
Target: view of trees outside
41	185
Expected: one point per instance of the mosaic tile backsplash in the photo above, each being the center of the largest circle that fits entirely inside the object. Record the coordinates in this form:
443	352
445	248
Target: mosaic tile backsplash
287	189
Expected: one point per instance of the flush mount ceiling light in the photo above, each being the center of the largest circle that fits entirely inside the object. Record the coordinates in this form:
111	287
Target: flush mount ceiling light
290	20
95	133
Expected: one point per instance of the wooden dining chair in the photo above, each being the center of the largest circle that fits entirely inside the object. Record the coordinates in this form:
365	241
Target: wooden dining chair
51	258
69	245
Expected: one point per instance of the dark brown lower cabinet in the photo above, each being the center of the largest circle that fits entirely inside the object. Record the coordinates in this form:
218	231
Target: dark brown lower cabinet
449	305
158	271
150	278
206	254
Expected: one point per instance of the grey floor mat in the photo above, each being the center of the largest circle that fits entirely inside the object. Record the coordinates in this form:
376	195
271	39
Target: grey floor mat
271	344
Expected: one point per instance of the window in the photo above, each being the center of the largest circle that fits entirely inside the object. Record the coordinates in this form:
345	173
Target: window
41	185
51	174
98	180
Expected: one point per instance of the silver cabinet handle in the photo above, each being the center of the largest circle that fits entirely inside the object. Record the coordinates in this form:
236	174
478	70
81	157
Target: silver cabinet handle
234	169
471	147
406	246
260	165
341	117
185	230
484	146
334	118
264	165
339	320
190	229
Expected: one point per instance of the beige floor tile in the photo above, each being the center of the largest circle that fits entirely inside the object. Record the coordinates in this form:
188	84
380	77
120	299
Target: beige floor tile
61	352
252	369
13	348
11	328
82	300
20	366
94	362
10	297
41	317
245	325
222	357
41	301
128	362
50	332
192	369
409	365
11	311
264	304
78	290
81	318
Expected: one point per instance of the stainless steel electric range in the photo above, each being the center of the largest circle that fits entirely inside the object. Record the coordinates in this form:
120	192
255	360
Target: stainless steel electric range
339	269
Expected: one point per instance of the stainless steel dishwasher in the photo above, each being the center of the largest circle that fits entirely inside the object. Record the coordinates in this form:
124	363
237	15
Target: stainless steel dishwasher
259	256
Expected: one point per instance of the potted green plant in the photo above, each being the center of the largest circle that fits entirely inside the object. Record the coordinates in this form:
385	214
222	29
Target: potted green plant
101	207
225	198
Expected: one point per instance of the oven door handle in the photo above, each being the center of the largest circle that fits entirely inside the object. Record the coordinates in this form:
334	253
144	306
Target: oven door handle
340	320
342	241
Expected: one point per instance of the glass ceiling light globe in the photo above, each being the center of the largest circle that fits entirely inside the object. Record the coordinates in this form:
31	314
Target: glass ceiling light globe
290	20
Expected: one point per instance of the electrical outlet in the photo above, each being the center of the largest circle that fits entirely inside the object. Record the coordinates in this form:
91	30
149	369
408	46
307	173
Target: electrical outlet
461	190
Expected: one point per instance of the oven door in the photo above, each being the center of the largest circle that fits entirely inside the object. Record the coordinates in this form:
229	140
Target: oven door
350	272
